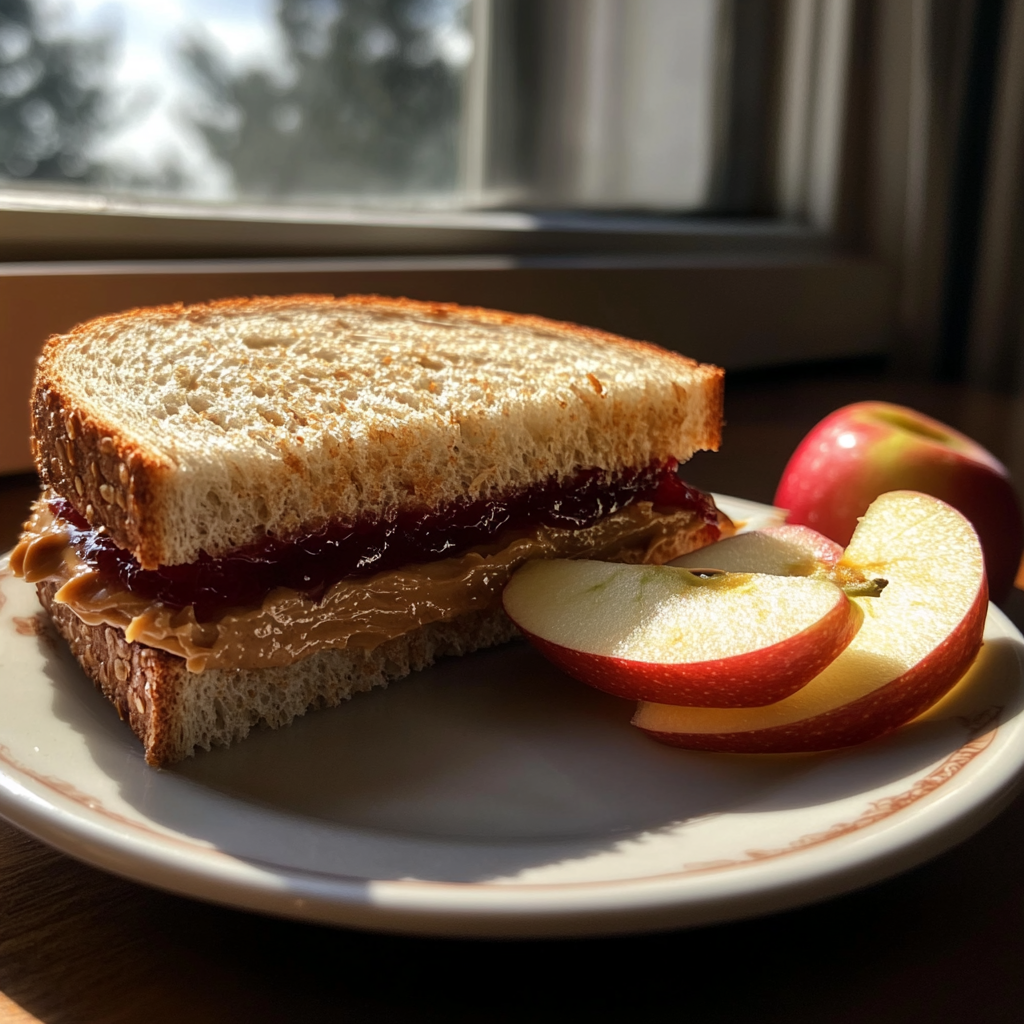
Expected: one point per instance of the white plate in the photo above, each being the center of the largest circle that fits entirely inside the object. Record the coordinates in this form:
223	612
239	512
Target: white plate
493	796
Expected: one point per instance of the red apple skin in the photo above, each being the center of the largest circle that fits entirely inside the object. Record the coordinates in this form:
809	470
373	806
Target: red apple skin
740	681
877	713
862	450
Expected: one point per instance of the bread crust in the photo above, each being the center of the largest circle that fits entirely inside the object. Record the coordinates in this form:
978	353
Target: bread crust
107	476
121	482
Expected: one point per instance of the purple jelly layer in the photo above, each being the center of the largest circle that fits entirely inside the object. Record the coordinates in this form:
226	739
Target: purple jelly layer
312	563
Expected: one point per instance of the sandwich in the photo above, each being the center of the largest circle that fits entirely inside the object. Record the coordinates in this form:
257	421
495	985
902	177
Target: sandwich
256	507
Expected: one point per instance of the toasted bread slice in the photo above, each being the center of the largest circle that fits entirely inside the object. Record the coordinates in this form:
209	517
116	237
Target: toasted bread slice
203	428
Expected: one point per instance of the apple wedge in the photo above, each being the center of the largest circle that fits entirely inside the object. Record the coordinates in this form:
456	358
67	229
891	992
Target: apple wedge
777	551
660	633
784	551
918	638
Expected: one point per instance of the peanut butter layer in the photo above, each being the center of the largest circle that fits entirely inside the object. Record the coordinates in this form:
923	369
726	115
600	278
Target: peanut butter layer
361	613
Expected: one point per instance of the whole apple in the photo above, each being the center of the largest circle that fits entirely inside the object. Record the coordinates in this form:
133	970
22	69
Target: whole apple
863	450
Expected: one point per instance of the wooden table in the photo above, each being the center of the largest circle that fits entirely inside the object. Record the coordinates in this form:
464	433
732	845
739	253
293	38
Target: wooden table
944	942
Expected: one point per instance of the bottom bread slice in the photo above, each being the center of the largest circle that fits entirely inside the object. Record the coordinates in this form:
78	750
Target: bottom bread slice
174	711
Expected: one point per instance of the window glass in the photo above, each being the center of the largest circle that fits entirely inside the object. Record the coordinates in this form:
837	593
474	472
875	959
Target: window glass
580	104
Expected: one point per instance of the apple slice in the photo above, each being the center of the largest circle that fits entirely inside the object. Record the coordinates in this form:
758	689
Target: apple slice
660	633
918	638
784	551
777	551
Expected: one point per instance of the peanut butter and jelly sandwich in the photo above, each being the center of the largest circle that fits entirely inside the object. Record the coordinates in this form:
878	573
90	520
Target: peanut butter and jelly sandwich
259	506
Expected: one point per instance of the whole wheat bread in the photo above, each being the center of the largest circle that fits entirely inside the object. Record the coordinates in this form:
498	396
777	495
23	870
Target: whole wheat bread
187	429
201	428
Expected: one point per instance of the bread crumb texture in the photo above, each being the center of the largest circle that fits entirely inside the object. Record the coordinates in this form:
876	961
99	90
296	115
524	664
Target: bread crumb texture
184	429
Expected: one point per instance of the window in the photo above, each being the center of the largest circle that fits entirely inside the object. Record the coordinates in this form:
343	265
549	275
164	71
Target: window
749	181
407	104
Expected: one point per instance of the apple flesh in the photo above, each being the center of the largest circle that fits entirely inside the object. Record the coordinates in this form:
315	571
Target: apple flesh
784	551
665	634
866	449
777	551
918	638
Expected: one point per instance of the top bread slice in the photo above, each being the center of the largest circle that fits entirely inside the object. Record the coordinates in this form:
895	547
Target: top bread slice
183	429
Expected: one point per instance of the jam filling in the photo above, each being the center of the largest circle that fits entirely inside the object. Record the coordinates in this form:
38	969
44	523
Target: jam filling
311	564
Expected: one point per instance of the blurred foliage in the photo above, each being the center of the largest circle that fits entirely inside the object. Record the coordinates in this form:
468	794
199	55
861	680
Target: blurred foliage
369	102
52	102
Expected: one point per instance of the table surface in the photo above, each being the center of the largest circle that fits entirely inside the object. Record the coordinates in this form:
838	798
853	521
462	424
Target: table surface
944	942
